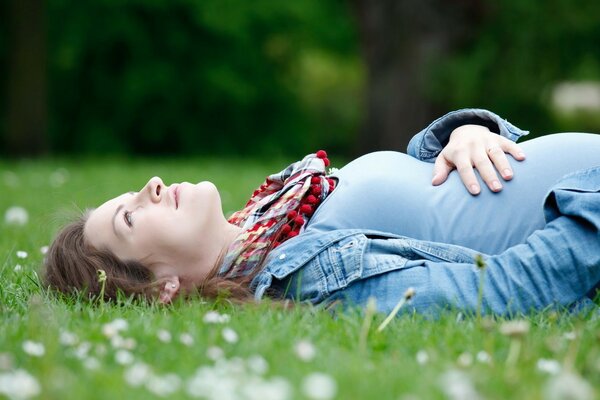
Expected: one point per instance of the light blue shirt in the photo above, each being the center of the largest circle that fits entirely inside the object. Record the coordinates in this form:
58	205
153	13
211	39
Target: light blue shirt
392	192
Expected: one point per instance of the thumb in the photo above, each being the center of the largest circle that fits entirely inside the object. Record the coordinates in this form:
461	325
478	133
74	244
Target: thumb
441	169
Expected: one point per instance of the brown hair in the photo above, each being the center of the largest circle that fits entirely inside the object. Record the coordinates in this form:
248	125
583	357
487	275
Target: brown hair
72	265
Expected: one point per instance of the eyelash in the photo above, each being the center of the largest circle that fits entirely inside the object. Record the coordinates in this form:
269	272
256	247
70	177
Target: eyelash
127	218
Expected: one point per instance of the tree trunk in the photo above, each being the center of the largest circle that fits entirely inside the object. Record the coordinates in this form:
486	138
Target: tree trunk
26	117
401	40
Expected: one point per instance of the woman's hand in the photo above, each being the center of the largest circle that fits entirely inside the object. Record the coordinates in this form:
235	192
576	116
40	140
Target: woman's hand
475	146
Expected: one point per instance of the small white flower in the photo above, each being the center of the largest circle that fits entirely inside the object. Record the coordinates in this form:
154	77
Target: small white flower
19	385
123	357
186	339
44	249
18	268
548	366
16	216
34	349
112	328
465	359
22	254
319	386
67	338
82	350
570	335
214	353
119	342
483	357
458	386
164	335
305	350
422	357
163	385
257	364
229	335
137	374
91	363
570	386
213	317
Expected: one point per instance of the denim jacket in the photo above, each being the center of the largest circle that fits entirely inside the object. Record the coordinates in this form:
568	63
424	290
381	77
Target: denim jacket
335	260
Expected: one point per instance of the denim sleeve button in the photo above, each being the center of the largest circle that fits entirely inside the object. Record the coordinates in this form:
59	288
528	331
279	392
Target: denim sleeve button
281	257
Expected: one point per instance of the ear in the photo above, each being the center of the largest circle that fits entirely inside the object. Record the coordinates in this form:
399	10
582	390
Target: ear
169	289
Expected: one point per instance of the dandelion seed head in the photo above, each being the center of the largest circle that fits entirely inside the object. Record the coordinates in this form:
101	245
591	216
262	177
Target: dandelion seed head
319	386
44	249
570	335
17	216
22	254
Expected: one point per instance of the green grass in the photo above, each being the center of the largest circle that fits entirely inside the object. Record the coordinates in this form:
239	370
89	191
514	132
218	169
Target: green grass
413	358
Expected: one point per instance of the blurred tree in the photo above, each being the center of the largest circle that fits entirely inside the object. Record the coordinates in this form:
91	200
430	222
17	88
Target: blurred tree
401	41
26	77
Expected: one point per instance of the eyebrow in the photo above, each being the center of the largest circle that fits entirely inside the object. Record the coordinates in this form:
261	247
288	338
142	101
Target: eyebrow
115	216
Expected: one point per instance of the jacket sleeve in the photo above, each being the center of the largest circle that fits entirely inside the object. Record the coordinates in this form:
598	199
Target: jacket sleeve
428	143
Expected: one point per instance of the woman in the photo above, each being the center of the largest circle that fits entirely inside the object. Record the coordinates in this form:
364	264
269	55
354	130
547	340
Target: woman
374	228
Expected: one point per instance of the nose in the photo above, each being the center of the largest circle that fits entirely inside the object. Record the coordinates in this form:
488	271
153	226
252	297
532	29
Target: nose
154	189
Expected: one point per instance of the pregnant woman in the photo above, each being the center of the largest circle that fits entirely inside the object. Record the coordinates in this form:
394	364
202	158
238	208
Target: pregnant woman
371	229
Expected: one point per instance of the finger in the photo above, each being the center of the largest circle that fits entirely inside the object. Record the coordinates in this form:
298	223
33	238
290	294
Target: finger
487	172
467	175
498	157
510	147
441	169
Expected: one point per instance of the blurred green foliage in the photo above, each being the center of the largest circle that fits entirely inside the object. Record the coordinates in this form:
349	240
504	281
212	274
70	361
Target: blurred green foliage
522	49
281	77
212	76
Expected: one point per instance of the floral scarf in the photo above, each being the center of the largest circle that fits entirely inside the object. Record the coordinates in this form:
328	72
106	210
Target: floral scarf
277	211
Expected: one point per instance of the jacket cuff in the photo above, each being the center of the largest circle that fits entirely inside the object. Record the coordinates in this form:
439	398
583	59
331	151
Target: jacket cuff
428	143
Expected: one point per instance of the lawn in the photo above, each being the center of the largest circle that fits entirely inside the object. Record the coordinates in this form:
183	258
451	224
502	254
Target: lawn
56	349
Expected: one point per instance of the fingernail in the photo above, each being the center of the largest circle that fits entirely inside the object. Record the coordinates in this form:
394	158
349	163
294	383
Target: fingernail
474	189
496	185
521	154
507	173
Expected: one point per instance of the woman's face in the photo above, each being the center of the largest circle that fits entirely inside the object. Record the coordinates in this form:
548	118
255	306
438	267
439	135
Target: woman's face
174	230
